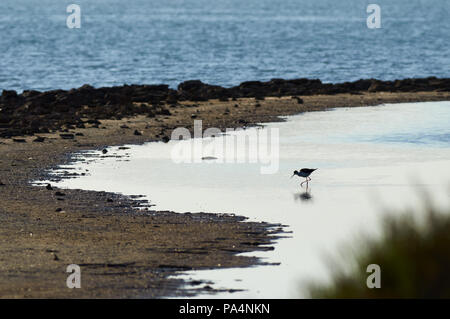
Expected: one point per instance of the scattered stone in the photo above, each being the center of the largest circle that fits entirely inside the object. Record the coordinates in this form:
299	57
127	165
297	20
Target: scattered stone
58	210
165	139
165	112
93	121
124	126
2	184
196	282
193	116
136	132
234	290
49	187
105	151
79	134
59	194
67	136
19	140
39	139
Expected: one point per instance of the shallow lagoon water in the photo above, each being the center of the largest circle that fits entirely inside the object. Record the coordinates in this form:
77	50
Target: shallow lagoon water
370	159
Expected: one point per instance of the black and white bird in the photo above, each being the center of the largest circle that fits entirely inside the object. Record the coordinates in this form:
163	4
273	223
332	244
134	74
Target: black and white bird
304	172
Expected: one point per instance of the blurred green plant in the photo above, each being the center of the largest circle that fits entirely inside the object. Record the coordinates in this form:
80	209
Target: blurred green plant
414	256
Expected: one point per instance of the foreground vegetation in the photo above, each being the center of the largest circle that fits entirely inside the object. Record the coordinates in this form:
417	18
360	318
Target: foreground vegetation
413	254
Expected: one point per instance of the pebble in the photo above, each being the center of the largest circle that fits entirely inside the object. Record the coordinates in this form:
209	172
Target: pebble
39	139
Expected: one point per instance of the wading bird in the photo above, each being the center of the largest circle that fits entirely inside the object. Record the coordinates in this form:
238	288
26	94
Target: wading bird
304	172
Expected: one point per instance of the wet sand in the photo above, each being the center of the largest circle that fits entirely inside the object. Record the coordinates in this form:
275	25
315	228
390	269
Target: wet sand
125	252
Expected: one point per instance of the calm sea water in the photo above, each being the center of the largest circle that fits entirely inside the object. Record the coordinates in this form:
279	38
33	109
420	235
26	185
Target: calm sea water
221	42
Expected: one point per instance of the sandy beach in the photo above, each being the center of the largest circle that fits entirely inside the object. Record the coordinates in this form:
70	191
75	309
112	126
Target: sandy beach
125	251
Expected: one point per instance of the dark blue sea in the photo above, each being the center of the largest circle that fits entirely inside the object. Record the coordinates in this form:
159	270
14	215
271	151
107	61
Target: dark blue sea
219	42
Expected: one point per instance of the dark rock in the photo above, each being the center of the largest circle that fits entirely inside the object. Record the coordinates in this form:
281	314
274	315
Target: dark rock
165	112
9	94
136	132
39	139
49	187
94	122
42	112
59	194
67	136
104	151
19	140
30	93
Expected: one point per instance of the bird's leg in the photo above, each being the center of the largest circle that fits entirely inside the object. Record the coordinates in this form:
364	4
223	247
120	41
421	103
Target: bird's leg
301	184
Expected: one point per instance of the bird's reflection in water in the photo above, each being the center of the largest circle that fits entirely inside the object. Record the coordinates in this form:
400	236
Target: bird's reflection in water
303	196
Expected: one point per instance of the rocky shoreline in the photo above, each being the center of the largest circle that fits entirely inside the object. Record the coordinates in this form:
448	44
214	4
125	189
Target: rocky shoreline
125	251
34	112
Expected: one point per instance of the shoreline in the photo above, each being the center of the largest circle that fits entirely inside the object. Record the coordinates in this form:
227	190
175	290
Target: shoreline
125	252
33	112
